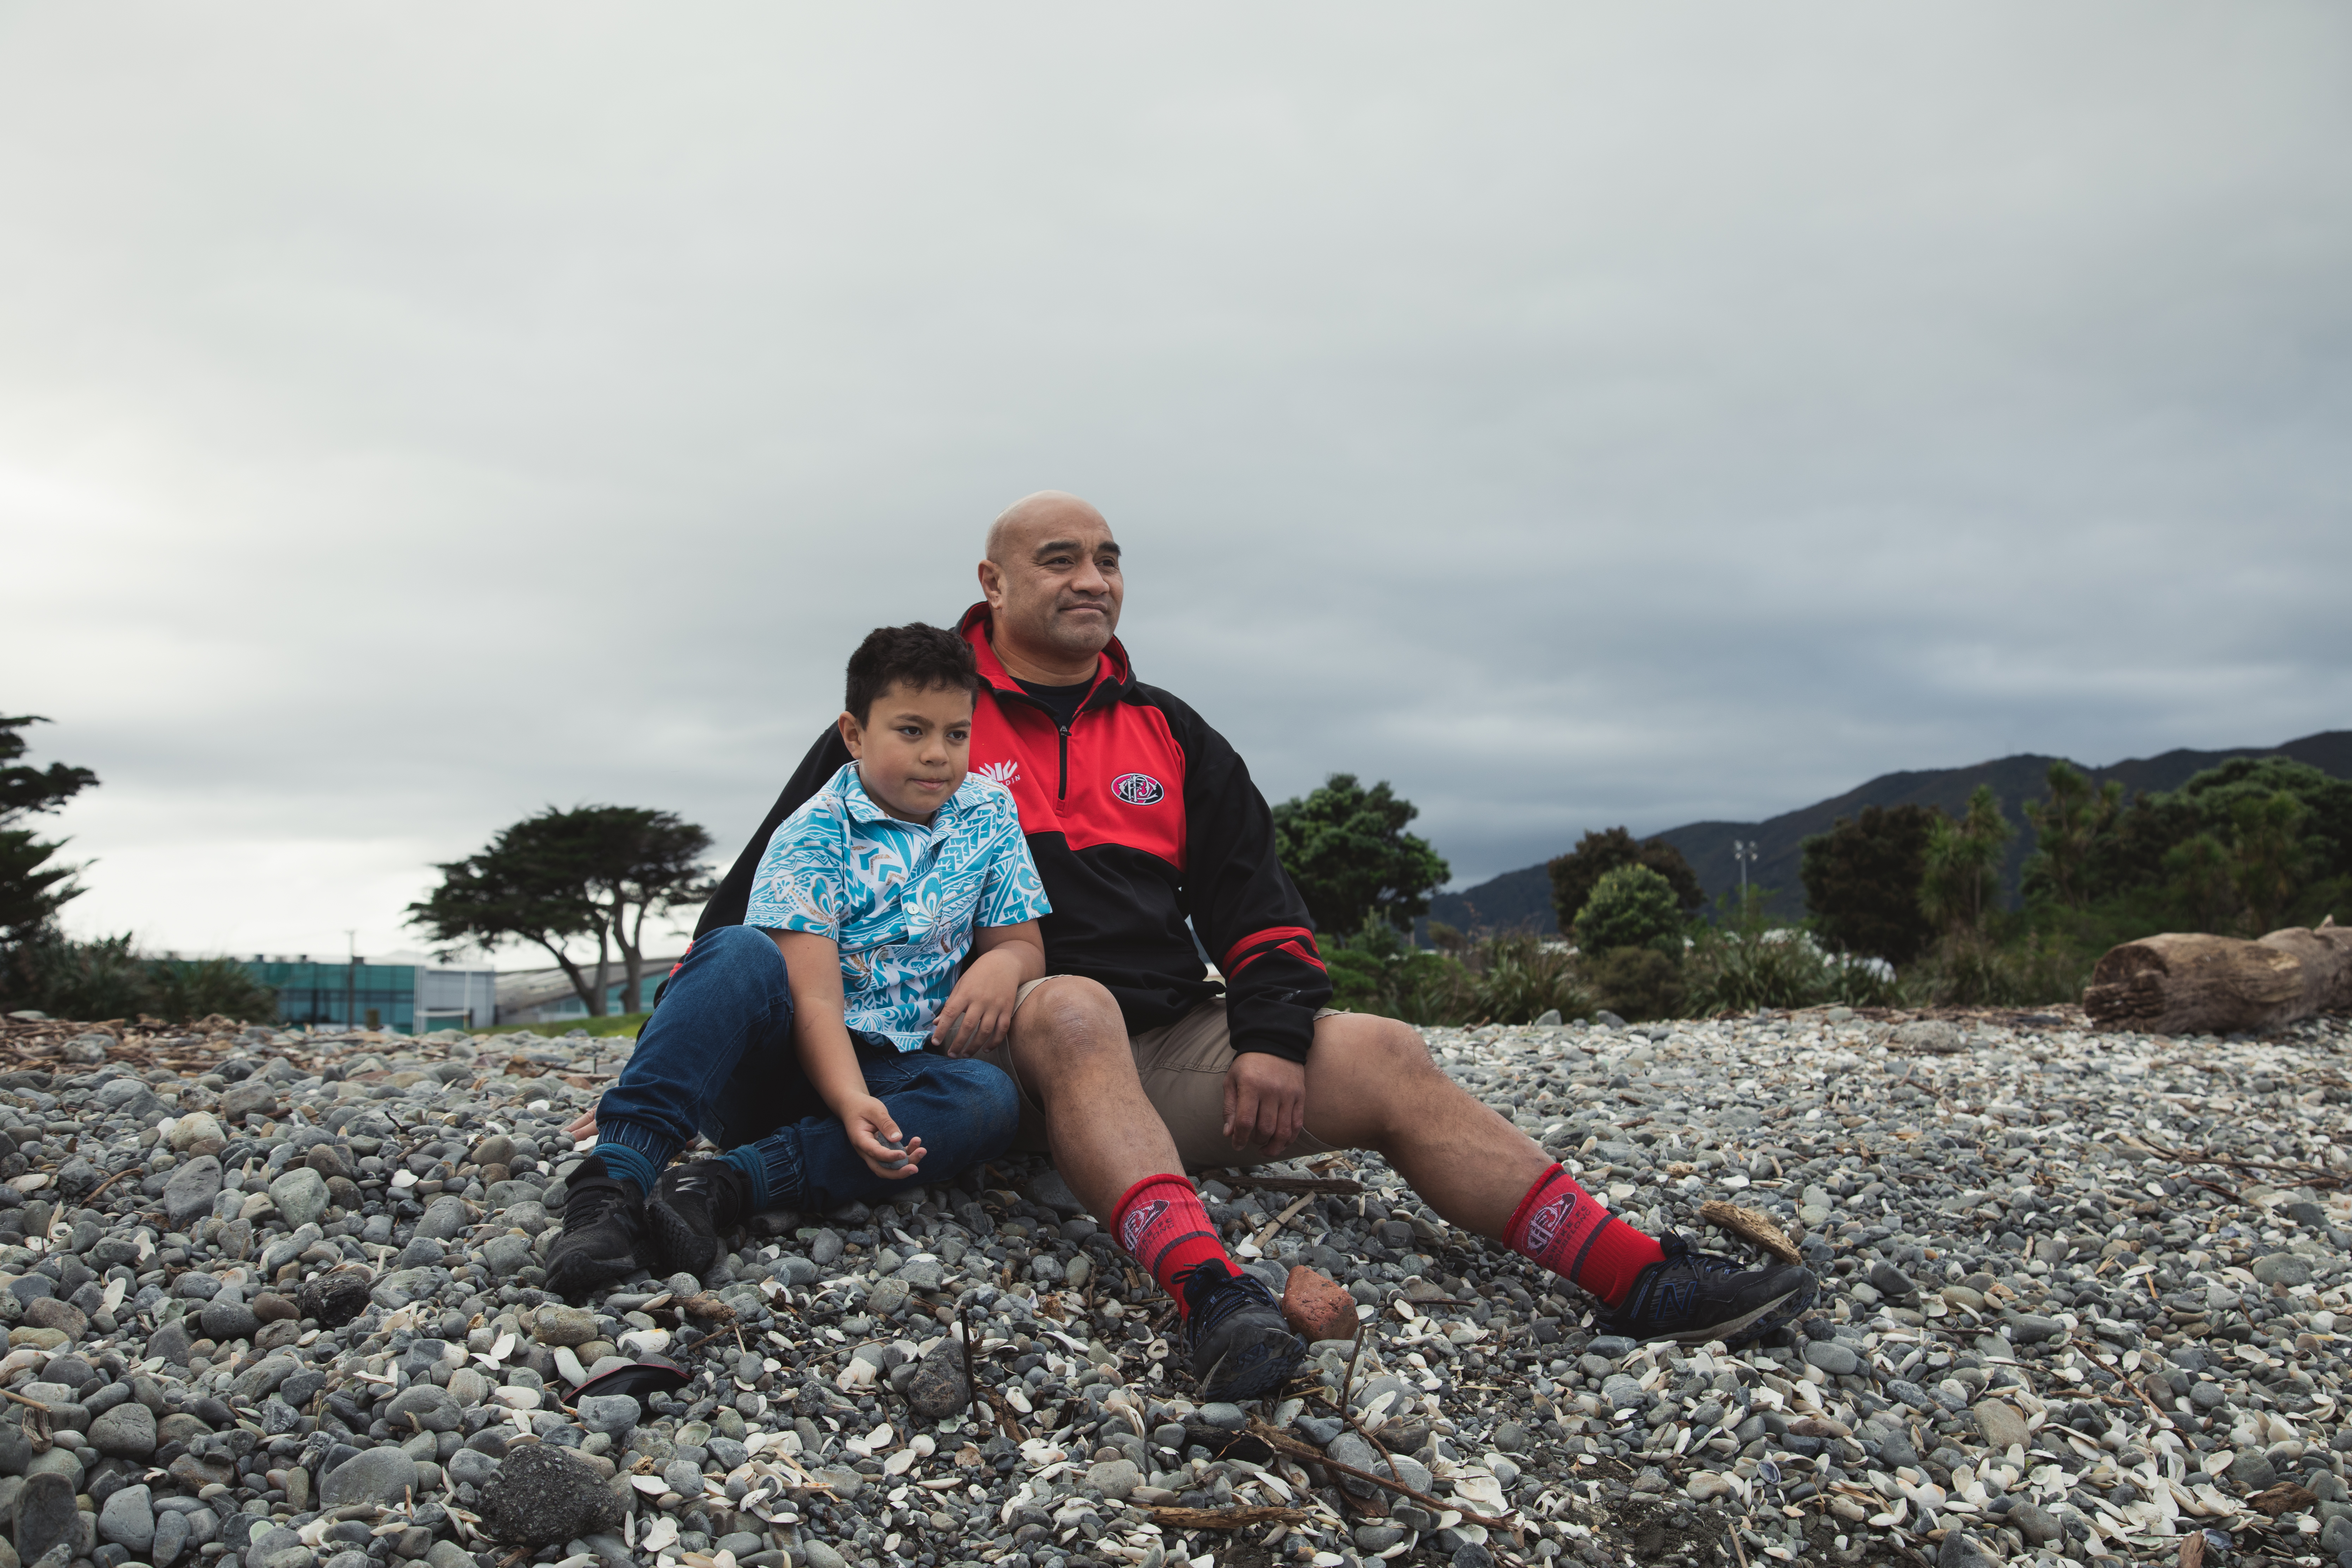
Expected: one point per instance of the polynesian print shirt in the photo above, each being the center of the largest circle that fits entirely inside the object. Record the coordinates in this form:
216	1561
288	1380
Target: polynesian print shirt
901	899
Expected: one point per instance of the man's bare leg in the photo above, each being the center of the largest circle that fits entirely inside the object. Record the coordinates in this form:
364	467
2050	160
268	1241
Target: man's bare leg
1371	1084
1069	1046
1071	1050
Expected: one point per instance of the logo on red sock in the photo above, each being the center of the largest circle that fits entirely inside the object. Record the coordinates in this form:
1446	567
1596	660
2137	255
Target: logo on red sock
1139	1220
1548	1222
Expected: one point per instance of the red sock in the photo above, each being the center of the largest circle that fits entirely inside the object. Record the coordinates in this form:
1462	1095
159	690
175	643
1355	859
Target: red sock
1564	1228
1162	1225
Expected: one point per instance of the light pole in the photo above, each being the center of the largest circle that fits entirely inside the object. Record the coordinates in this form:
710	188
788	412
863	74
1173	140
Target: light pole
1743	850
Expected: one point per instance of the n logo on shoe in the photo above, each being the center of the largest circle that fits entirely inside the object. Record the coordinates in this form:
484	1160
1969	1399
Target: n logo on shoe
1549	1221
1674	1300
1139	1220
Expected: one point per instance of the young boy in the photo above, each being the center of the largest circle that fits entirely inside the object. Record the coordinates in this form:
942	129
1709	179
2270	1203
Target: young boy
823	1000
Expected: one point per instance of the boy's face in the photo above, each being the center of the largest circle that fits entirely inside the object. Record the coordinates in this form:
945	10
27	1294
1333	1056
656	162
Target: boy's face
912	748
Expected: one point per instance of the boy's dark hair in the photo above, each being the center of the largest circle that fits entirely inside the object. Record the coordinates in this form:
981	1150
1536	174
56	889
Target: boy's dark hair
925	658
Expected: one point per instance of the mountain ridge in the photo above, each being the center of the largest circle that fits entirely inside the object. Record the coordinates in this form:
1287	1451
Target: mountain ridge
1522	899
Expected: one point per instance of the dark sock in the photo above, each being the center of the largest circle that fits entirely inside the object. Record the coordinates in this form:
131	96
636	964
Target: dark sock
748	1159
629	1165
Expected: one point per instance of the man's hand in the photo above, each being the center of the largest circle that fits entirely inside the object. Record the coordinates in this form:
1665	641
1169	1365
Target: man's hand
876	1138
1266	1102
979	1011
582	1126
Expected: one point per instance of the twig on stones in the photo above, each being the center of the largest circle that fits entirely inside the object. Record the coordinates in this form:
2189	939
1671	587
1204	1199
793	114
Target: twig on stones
22	1400
1236	1518
1279	1221
1345	1185
970	1383
1282	1442
2206	1157
1378	1447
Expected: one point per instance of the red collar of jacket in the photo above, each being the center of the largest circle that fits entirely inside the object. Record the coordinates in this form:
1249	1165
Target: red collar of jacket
1111	665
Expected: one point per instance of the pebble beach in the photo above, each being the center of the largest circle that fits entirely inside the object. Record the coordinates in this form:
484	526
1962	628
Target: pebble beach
276	1295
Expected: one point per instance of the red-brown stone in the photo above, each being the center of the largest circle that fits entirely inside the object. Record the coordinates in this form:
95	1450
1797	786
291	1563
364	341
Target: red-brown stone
1317	1309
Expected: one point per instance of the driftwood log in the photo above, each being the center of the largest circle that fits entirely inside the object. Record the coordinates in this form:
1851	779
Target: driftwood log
2191	983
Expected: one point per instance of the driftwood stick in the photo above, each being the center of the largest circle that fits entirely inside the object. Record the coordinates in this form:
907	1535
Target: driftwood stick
1283	1443
1223	1518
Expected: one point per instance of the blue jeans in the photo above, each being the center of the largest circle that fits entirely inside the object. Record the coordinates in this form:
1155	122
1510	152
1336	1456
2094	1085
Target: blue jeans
717	1057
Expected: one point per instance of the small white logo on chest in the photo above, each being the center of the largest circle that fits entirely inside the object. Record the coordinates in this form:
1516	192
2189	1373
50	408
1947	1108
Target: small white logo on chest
999	772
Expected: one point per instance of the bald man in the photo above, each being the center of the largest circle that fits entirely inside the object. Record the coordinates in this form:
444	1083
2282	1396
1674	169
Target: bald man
1134	1064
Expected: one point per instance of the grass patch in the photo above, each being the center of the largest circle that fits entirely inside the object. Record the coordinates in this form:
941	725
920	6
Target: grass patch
626	1024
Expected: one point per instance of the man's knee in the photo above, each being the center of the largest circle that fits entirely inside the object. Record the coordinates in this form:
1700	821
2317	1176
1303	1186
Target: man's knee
1070	1015
1361	1042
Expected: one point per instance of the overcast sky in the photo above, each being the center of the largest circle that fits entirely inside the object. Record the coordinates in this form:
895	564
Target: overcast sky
412	417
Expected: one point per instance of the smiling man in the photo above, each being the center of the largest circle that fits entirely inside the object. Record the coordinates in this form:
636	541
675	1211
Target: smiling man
1133	1064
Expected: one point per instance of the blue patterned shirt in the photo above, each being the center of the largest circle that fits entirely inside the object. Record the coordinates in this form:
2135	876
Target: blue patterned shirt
902	899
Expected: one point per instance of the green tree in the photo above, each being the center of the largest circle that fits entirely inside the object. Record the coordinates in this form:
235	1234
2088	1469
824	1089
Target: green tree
2068	826
1347	850
2268	861
2201	886
33	886
1862	883
599	871
1961	885
1575	874
1632	906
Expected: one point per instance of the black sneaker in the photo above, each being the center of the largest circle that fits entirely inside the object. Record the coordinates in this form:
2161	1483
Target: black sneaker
692	1206
1240	1346
1693	1297
604	1231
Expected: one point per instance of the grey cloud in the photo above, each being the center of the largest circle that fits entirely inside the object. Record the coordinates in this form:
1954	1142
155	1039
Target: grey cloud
1573	418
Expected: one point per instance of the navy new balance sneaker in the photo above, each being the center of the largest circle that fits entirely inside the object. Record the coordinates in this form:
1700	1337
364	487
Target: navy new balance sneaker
693	1206
1692	1297
1239	1345
604	1230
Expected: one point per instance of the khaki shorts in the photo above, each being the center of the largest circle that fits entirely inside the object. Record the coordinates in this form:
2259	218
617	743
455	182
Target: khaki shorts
1182	1066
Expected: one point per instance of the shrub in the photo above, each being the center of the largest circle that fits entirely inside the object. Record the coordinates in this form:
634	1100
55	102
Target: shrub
108	978
1744	961
1575	874
1375	971
1637	982
1632	906
1517	977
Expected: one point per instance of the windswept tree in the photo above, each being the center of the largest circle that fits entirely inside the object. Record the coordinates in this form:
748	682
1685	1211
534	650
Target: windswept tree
595	872
1575	874
33	885
1347	849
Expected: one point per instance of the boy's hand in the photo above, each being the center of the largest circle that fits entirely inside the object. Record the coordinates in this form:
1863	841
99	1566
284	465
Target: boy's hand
979	1011
582	1126
878	1141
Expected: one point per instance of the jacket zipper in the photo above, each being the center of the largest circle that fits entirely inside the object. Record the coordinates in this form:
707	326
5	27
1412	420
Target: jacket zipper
1063	792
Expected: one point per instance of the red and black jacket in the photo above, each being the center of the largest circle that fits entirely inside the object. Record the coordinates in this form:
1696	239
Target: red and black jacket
1140	816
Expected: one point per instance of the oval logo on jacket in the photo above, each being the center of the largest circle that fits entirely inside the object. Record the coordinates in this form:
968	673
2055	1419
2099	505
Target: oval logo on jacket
1138	789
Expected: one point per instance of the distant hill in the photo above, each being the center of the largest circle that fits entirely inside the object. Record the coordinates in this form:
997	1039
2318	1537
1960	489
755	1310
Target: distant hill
1523	898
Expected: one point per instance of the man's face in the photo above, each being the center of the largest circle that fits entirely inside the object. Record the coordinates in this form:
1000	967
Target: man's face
912	748
1055	586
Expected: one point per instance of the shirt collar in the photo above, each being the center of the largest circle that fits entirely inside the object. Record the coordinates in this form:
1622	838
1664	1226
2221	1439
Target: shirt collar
861	807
